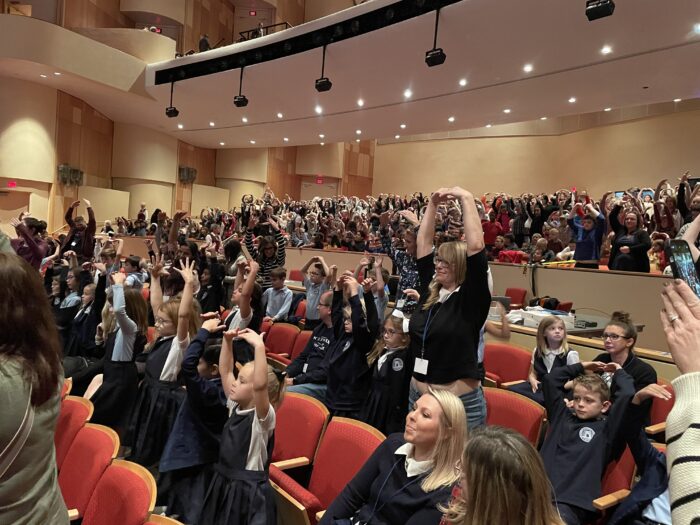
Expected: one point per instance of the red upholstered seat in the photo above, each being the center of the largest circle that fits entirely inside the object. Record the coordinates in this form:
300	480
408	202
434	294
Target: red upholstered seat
280	338
300	343
659	412
565	306
125	494
505	363
301	421
92	451
296	275
511	410
616	484
301	309
345	447
66	388
75	411
517	297
151	334
265	327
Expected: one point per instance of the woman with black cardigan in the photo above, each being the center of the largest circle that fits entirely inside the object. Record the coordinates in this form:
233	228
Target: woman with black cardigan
454	304
631	243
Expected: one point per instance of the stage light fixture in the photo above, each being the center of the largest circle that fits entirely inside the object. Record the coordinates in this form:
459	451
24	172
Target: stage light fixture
596	9
240	100
435	56
323	84
171	111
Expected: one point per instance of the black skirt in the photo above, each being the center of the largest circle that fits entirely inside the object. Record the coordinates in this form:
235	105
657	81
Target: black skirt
182	491
242	497
115	399
152	419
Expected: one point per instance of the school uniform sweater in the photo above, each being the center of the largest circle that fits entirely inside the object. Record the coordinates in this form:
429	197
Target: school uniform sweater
306	368
577	451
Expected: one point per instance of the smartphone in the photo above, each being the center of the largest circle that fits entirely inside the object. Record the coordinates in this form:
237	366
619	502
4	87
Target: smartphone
682	265
619	194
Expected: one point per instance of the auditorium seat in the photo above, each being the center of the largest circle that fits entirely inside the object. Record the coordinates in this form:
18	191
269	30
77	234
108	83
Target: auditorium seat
157	519
125	494
345	447
301	421
514	411
660	409
296	275
67	387
505	363
265	328
75	412
150	334
517	297
565	306
300	343
301	309
280	338
92	450
617	481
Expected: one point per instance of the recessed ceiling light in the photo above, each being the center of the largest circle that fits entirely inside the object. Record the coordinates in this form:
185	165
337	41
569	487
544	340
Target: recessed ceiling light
212	124
407	93
506	111
285	139
280	115
358	132
318	110
403	126
57	73
607	109
397	137
527	68
357	140
222	143
462	82
543	118
605	50
572	100
244	120
488	125
322	136
451	119
252	142
360	102
323	143
180	126
677	99
43	76
696	29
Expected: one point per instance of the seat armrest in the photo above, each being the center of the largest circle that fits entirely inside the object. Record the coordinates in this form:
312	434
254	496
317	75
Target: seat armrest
73	514
320	514
490	382
512	383
656	429
285	464
610	500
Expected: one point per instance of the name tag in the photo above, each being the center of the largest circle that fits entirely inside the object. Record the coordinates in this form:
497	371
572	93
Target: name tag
306	365
420	366
400	304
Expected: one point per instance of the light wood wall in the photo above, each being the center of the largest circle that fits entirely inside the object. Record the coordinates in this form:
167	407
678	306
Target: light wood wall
94	13
290	11
201	159
213	17
358	168
281	171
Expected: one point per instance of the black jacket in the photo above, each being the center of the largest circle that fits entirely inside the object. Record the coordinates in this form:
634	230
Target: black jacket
306	368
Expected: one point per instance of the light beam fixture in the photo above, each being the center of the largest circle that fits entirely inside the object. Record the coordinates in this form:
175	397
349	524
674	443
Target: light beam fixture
171	111
323	84
435	56
240	100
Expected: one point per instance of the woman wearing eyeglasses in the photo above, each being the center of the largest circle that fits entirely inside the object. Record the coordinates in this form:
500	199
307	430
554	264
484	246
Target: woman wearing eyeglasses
454	304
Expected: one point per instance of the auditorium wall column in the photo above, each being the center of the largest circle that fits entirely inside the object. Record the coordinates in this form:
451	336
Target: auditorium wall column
281	172
201	159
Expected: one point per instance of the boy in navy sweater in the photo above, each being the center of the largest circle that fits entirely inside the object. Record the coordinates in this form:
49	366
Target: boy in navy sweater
580	442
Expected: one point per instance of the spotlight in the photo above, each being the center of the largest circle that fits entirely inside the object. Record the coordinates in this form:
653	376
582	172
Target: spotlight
435	56
596	9
323	84
240	100
171	111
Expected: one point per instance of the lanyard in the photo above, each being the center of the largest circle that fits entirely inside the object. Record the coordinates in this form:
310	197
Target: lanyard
376	509
425	330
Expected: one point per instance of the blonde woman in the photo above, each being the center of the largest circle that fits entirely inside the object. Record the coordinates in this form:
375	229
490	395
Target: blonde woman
502	482
410	474
454	304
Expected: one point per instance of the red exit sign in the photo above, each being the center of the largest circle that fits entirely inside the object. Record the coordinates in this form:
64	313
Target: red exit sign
319	179
11	184
252	13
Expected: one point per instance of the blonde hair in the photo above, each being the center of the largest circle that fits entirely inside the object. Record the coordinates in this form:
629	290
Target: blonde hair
171	308
455	254
542	337
593	383
379	347
276	387
505	482
452	434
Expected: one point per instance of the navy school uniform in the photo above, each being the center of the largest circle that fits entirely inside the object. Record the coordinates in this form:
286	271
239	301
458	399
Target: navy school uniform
156	408
240	491
347	373
192	449
577	451
540	369
387	404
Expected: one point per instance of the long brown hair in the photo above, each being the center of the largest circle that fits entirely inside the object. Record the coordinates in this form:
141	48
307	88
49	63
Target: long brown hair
455	254
542	336
505	482
28	329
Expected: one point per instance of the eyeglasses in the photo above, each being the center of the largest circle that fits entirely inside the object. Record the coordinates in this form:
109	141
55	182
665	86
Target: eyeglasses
316	274
324	304
161	321
612	337
437	261
390	332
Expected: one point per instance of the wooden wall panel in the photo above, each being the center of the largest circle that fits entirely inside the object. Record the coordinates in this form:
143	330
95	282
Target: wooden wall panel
281	172
290	11
358	168
201	159
94	13
211	17
84	140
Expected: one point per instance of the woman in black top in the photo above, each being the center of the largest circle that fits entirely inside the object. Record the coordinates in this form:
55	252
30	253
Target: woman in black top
454	303
631	244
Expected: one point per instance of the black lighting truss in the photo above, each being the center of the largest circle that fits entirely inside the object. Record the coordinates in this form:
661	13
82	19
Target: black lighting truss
365	23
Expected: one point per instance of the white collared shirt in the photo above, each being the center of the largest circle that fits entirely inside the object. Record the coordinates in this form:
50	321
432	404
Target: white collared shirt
413	467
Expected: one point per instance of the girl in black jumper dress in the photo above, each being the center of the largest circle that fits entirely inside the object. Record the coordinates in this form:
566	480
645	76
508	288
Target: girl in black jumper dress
160	393
240	491
387	405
